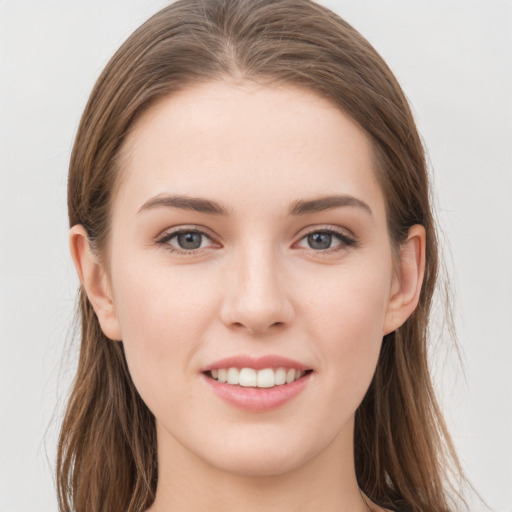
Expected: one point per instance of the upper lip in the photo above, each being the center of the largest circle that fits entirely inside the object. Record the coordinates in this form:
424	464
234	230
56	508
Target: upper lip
258	363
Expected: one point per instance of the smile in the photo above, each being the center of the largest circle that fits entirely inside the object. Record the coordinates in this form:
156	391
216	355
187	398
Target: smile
250	377
257	384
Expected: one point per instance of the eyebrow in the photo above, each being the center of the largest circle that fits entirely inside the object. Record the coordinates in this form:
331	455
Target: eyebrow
321	204
209	207
185	203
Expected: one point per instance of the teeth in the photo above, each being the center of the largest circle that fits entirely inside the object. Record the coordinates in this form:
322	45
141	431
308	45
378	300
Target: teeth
249	377
266	378
233	376
280	376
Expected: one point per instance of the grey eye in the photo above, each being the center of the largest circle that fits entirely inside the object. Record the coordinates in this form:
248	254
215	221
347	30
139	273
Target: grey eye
320	240
187	241
190	240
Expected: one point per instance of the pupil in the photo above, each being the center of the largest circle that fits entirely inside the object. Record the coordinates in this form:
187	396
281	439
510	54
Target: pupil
189	240
320	240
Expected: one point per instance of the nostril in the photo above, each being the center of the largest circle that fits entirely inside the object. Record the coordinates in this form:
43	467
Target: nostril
255	328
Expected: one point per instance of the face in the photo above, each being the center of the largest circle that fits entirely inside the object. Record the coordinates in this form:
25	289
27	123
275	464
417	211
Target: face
249	243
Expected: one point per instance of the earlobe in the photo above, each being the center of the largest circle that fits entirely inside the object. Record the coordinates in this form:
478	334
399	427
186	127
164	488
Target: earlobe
409	279
95	281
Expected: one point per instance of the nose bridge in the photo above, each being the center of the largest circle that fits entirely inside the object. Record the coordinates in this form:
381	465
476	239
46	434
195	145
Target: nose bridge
257	297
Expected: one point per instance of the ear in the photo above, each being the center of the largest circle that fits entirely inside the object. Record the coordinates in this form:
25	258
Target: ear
406	287
95	280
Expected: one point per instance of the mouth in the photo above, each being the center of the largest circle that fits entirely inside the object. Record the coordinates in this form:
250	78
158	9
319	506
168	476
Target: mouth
257	384
248	377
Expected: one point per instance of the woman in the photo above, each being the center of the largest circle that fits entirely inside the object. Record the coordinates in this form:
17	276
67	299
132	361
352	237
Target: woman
250	222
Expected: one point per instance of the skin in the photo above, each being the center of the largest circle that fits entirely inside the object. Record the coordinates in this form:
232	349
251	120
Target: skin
255	287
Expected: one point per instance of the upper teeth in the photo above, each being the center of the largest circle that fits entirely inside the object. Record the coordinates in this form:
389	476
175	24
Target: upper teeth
249	377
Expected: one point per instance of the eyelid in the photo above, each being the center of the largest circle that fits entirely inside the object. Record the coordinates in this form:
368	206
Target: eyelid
346	237
168	234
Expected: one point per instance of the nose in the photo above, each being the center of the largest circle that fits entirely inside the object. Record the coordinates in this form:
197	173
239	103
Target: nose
256	296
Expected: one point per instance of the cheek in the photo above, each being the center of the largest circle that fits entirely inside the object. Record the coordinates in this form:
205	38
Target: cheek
163	316
351	303
347	321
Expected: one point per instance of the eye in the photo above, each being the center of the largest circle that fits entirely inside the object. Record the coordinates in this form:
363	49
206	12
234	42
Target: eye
325	240
186	240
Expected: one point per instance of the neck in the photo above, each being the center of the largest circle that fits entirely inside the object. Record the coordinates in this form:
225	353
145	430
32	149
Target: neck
326	482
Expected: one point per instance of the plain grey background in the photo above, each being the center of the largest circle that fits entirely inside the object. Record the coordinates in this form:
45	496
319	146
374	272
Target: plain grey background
454	61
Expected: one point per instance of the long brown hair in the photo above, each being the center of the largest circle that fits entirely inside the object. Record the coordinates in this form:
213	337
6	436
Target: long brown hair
107	447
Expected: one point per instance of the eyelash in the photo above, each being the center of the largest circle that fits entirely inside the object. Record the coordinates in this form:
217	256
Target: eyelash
168	236
346	240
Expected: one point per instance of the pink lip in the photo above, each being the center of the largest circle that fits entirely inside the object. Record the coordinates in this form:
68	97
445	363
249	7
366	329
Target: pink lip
258	363
257	399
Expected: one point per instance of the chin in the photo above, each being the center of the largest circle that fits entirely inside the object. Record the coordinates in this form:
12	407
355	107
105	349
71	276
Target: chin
263	464
262	452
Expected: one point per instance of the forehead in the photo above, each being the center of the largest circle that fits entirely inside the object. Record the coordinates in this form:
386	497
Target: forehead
226	139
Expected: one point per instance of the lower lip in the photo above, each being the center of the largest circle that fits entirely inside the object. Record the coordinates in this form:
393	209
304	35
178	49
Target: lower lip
258	399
